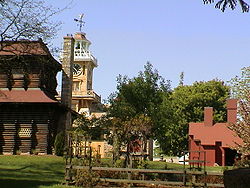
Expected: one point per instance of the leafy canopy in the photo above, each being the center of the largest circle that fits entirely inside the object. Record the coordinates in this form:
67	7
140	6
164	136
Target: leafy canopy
187	105
133	107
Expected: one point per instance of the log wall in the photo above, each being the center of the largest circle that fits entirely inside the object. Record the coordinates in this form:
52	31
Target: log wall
28	128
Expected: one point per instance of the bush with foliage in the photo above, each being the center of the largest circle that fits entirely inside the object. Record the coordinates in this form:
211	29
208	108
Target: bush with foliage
86	178
59	143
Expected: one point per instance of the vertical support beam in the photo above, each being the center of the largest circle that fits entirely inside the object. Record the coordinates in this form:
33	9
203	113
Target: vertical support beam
42	138
193	179
151	149
223	156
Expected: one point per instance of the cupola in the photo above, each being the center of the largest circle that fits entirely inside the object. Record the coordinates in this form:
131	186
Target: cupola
81	49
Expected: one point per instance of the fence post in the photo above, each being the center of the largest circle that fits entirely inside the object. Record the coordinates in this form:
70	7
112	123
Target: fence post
184	170
184	177
90	156
193	179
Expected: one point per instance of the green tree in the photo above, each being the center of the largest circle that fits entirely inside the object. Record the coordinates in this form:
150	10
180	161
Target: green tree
91	129
187	105
241	90
134	107
223	4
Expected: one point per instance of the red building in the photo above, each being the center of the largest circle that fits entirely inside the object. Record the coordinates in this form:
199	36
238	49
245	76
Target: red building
215	139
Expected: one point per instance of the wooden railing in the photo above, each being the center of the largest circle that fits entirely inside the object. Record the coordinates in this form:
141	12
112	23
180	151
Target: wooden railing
185	181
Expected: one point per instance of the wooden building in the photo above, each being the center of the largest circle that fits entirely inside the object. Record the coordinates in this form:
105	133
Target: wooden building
215	140
30	115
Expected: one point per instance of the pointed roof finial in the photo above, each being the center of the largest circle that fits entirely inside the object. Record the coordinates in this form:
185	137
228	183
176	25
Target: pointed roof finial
80	21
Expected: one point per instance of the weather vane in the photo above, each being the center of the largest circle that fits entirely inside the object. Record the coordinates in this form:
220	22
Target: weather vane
80	21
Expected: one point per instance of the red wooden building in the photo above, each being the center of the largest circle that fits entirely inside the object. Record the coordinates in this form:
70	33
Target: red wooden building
29	112
215	139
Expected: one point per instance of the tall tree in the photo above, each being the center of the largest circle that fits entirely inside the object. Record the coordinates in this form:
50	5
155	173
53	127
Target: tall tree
134	107
187	105
241	90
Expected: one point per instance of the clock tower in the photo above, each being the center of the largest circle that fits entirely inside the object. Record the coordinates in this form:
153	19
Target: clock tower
84	99
83	95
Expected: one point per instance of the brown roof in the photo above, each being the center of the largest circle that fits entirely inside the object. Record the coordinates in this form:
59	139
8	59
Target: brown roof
29	96
80	36
208	135
23	47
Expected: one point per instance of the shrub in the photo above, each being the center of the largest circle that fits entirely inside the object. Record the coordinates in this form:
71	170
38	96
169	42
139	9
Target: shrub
243	163
86	178
59	143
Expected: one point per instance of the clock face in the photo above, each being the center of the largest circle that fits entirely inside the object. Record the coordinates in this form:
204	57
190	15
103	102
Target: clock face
77	69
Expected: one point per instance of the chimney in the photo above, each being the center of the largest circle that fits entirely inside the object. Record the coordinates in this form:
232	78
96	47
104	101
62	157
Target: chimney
67	76
232	111
67	62
208	116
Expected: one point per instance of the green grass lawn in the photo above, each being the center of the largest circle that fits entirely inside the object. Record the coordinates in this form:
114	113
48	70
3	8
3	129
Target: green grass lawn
174	166
48	171
31	171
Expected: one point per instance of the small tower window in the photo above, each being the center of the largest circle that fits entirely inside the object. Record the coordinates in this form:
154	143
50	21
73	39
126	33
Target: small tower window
83	45
76	86
78	46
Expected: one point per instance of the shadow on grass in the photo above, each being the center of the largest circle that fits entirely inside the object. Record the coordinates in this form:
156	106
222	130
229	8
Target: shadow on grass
33	175
10	183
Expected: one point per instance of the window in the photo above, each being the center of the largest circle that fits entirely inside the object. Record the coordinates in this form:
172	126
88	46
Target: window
77	45
17	74
76	86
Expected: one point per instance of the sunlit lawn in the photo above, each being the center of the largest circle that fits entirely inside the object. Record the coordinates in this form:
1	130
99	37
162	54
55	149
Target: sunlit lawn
48	171
31	171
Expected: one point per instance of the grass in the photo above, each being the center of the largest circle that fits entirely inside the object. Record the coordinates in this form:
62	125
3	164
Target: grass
48	171
174	166
171	166
31	171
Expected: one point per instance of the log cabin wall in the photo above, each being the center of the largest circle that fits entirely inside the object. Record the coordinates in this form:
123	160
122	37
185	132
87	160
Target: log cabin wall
29	120
25	128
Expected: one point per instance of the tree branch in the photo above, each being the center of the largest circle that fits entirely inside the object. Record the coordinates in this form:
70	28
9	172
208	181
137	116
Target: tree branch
223	4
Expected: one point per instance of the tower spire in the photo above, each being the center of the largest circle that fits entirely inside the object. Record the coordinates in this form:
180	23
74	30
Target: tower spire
80	21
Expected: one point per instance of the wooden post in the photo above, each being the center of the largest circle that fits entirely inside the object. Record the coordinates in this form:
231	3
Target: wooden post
184	177
184	170
151	149
90	156
193	179
85	146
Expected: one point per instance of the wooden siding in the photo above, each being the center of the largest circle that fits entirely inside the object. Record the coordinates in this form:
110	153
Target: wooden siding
28	127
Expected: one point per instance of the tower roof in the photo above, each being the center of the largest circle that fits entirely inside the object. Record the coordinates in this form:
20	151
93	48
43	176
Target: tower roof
81	36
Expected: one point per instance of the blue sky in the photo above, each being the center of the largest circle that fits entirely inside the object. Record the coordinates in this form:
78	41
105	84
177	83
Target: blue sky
174	35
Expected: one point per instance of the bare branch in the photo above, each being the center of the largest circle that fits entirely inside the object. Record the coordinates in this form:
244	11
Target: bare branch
27	19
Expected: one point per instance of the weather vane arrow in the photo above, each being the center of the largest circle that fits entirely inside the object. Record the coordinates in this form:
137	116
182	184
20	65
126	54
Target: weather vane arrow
80	21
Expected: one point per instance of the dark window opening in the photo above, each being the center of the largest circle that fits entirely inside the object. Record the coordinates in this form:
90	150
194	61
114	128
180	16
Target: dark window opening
230	156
